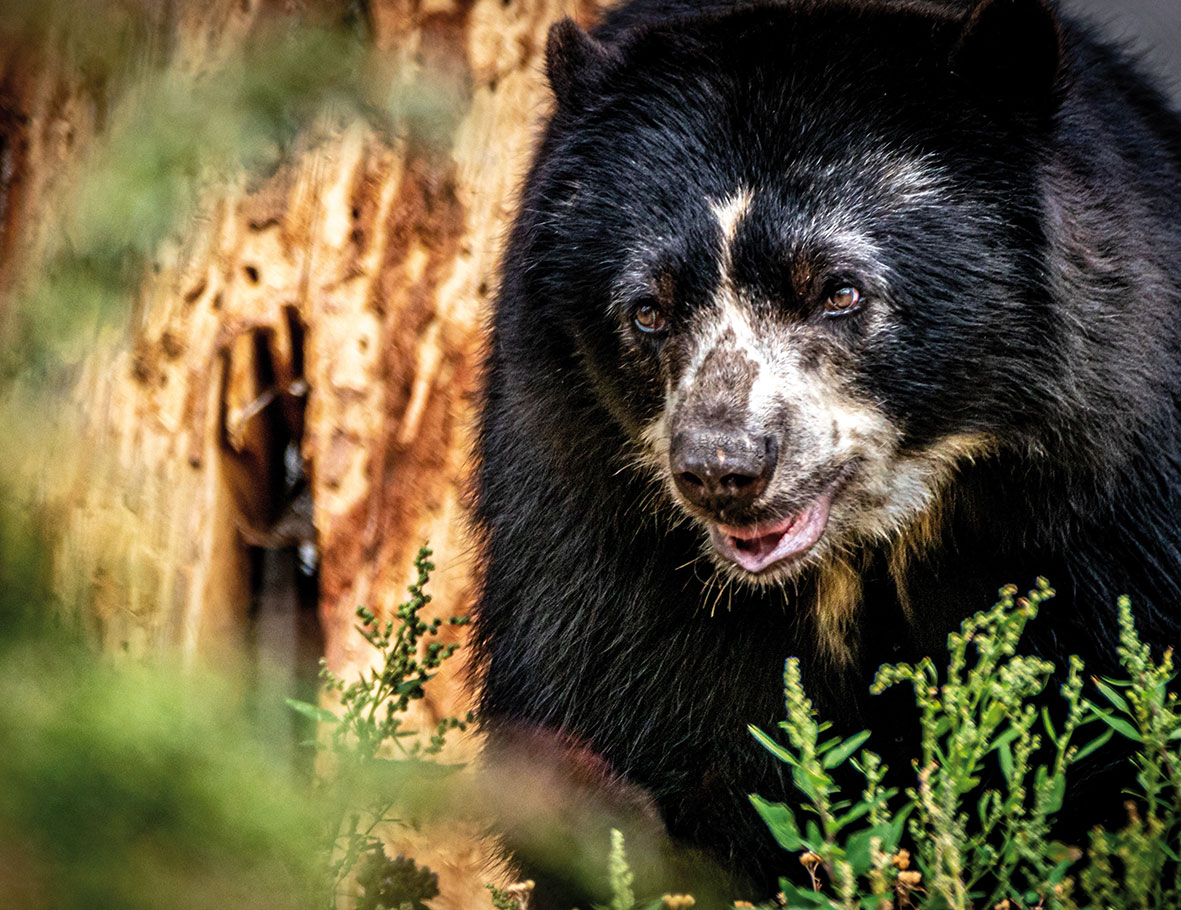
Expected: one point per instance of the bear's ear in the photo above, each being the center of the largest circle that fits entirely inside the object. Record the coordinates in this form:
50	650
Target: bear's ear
1009	51
574	62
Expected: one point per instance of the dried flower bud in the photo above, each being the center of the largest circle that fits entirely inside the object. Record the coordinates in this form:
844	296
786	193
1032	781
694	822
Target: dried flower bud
809	860
520	889
910	879
901	859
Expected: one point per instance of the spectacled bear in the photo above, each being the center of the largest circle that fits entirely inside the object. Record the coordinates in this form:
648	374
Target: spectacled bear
821	320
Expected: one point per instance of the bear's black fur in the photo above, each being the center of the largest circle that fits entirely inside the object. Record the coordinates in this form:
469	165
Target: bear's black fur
962	226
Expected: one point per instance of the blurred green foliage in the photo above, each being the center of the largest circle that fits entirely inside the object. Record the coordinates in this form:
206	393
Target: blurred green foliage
376	754
147	786
139	788
131	786
172	136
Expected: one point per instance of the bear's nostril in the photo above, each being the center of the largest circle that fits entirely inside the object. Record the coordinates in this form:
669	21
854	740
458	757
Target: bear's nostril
721	469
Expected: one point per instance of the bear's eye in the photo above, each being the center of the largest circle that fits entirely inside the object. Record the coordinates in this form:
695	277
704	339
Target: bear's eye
648	319
843	300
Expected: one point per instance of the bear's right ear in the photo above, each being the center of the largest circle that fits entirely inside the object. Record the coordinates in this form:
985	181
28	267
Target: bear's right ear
574	62
1010	52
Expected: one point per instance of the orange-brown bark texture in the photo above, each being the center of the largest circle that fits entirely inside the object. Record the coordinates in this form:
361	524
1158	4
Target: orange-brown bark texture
289	418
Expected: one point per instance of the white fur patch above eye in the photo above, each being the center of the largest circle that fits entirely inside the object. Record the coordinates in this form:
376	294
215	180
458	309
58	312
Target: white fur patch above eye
729	212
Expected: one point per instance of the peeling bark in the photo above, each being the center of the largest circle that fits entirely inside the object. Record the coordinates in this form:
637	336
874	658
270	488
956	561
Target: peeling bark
297	391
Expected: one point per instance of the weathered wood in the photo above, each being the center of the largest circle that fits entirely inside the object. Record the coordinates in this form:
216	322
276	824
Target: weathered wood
302	367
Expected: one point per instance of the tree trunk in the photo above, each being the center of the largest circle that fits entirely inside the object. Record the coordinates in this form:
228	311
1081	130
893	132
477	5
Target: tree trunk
291	416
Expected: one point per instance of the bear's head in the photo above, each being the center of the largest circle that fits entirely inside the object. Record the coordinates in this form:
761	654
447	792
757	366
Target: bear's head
793	249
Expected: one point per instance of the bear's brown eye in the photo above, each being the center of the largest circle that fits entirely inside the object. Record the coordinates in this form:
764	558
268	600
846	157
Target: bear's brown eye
648	319
844	300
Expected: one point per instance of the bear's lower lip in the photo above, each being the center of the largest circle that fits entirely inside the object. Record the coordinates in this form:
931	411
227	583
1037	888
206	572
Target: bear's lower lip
763	545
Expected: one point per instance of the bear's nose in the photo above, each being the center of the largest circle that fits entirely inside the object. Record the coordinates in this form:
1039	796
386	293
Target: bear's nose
721	469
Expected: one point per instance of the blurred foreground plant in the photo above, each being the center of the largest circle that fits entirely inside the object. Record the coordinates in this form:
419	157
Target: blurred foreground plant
374	752
174	133
132	787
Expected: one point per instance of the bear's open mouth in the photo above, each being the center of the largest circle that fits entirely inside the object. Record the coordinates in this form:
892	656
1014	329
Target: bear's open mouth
764	545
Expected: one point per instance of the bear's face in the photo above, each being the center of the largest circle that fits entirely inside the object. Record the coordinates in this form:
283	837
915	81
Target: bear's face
797	327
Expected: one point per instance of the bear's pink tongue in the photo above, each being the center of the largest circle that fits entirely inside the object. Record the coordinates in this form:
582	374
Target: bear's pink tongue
756	548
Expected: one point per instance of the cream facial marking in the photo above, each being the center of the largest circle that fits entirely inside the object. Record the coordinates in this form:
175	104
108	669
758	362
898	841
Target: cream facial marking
838	598
752	374
729	212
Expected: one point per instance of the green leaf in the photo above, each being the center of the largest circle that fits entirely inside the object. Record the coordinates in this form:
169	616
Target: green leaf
838	755
1057	792
890	844
315	712
857	849
1059	871
1112	696
1097	743
1049	724
797	896
1006	757
411	686
827	744
983	803
1120	726
771	746
810	783
1004	739
780	820
994	715
852	815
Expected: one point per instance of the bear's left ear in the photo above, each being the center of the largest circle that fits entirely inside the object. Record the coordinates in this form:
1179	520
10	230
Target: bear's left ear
1009	51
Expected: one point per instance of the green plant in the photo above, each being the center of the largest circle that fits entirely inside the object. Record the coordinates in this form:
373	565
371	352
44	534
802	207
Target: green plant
502	898
849	841
132	785
621	879
1140	865
393	884
372	746
974	839
620	875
